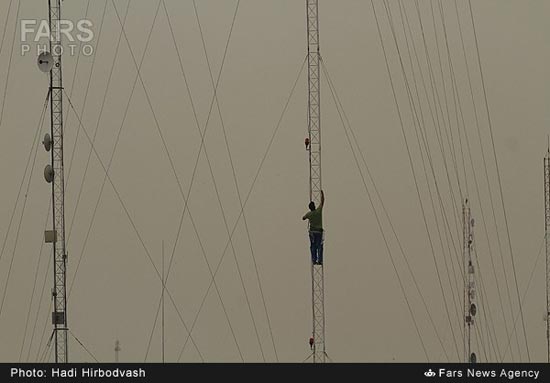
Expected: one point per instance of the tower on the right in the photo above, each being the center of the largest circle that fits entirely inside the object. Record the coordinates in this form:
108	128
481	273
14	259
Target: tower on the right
547	239
470	308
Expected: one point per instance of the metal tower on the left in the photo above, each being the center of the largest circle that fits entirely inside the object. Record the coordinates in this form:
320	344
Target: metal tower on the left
54	175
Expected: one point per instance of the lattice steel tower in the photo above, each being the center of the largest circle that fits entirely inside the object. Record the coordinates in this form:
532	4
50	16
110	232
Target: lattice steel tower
470	308
547	236
314	131
54	175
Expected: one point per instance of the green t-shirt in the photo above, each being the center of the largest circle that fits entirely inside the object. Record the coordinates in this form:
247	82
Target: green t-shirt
315	219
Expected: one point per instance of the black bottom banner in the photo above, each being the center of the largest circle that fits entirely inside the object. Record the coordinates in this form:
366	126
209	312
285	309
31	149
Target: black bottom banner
336	372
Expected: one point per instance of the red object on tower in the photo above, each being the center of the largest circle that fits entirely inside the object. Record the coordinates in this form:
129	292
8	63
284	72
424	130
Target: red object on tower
307	143
311	343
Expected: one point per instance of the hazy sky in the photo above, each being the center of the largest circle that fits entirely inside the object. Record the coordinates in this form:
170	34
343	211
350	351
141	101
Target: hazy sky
116	291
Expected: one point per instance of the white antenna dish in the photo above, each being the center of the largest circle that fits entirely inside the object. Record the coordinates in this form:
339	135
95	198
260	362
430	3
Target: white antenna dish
45	62
48	173
47	142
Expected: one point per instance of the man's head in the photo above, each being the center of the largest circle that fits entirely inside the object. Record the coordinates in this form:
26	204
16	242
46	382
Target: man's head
312	206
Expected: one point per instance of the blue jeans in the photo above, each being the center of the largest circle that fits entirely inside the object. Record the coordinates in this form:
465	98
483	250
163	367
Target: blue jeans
316	246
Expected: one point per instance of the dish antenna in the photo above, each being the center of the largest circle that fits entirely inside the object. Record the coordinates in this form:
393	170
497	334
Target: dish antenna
473	309
48	173
45	62
47	142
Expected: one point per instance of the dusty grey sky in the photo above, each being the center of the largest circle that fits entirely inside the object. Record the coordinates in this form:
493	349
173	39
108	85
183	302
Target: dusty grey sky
116	290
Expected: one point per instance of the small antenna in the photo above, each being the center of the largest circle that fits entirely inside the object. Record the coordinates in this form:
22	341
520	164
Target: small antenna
117	350
162	301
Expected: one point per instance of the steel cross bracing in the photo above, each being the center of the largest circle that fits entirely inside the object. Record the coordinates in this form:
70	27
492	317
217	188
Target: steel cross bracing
314	107
59	315
470	308
547	236
315	185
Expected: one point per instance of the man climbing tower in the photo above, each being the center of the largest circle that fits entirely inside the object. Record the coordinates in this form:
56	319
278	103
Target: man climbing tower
315	217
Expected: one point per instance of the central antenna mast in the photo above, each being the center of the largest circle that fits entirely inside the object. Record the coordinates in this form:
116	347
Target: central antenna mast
547	236
317	341
51	62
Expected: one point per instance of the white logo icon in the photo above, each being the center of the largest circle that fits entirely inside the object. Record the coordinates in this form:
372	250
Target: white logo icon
429	373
